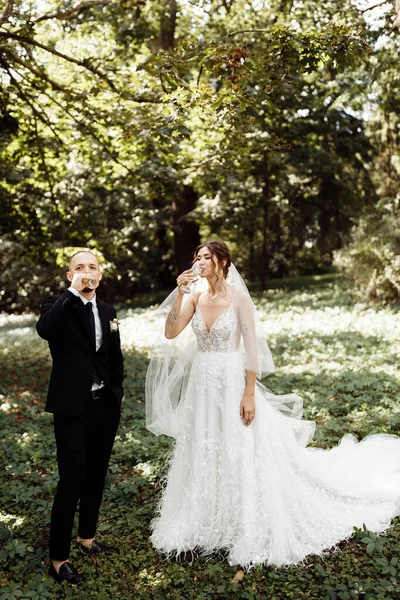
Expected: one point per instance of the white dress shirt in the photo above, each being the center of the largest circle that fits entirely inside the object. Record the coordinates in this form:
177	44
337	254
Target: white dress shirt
97	326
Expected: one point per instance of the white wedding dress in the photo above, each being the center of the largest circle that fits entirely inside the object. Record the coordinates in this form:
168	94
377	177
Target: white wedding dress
257	492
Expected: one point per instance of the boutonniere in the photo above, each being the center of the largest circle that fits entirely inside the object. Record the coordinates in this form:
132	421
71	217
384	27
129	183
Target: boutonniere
114	325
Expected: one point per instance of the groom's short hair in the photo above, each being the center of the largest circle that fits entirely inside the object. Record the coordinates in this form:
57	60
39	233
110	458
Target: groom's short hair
79	252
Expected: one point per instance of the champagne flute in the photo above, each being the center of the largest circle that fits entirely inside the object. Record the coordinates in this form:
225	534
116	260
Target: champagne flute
89	280
195	270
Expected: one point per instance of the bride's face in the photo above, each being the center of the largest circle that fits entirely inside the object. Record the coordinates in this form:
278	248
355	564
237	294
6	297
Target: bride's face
208	263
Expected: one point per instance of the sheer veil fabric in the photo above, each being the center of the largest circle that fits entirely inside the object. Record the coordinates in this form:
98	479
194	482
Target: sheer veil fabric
170	364
256	492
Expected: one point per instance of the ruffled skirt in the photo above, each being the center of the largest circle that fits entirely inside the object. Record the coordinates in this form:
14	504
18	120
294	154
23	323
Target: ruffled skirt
257	492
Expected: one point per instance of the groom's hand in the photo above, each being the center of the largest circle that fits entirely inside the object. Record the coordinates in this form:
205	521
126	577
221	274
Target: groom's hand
79	281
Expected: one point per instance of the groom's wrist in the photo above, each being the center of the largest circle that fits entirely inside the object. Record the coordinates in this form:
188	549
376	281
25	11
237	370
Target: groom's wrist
73	290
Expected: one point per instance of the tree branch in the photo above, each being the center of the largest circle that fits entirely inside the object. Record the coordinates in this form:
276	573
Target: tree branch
195	166
82	63
39	114
85	63
44	164
396	18
73	11
6	14
381	3
80	123
396	9
40	74
247	31
199	75
162	83
183	82
91	131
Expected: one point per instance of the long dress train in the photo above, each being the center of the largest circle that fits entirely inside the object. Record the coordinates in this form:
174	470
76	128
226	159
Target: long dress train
258	492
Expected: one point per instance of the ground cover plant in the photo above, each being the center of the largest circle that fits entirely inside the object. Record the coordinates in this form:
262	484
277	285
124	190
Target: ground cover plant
341	357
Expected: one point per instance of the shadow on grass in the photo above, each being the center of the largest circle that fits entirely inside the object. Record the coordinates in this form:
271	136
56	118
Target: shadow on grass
11	324
358	402
319	295
345	394
29	470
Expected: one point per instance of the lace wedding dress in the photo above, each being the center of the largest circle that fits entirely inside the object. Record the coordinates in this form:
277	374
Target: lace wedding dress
257	492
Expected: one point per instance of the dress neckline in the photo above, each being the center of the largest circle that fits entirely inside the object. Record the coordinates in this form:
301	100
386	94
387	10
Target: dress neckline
208	331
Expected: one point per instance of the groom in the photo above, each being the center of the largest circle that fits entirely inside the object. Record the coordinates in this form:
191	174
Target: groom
85	393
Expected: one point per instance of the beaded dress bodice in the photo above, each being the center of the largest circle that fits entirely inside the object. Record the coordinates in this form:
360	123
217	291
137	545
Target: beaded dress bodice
222	336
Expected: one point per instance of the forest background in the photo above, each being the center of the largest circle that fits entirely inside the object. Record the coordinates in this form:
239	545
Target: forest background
138	128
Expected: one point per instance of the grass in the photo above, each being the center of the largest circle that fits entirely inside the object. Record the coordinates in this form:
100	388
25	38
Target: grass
342	358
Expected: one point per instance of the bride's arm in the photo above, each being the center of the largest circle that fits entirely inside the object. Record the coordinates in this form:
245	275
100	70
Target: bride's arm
247	406
248	331
179	316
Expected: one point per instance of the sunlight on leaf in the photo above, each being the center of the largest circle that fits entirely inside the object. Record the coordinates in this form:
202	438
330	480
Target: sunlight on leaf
16	521
238	577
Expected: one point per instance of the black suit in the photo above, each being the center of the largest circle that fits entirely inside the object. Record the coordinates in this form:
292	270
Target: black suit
84	427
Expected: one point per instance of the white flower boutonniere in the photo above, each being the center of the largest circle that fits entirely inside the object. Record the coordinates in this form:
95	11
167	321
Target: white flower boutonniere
114	325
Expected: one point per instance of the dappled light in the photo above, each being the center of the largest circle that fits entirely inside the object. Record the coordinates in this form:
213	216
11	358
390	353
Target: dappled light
342	358
138	129
14	519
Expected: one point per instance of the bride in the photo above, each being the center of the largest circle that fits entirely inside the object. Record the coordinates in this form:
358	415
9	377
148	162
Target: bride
241	478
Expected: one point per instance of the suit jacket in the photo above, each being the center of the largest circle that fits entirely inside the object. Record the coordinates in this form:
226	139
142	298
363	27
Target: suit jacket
65	325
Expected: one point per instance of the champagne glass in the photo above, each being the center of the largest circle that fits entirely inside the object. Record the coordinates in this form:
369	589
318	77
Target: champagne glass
195	270
89	280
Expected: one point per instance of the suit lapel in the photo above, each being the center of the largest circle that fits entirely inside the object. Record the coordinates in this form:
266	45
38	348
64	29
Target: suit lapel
80	310
105	324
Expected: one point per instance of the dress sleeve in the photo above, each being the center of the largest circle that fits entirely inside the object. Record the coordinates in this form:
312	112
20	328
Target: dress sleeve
248	331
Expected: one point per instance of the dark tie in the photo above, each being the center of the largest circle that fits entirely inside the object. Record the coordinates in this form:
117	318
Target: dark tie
89	308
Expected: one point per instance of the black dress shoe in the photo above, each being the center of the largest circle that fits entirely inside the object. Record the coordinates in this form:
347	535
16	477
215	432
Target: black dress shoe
97	548
66	573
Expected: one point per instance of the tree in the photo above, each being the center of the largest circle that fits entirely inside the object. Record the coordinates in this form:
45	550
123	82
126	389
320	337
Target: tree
117	142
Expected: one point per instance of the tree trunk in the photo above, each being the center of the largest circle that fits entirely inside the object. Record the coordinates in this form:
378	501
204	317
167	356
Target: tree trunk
252	267
275	245
168	25
265	206
396	16
162	244
329	199
186	230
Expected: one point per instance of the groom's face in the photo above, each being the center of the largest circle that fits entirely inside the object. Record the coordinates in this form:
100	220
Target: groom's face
85	263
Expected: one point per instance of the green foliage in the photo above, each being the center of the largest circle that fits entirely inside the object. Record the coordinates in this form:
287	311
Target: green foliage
371	261
374	544
342	358
136	129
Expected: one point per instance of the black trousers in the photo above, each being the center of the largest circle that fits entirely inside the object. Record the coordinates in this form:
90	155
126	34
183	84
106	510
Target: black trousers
84	444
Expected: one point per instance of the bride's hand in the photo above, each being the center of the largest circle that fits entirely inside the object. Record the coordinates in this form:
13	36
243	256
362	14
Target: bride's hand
185	278
247	408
